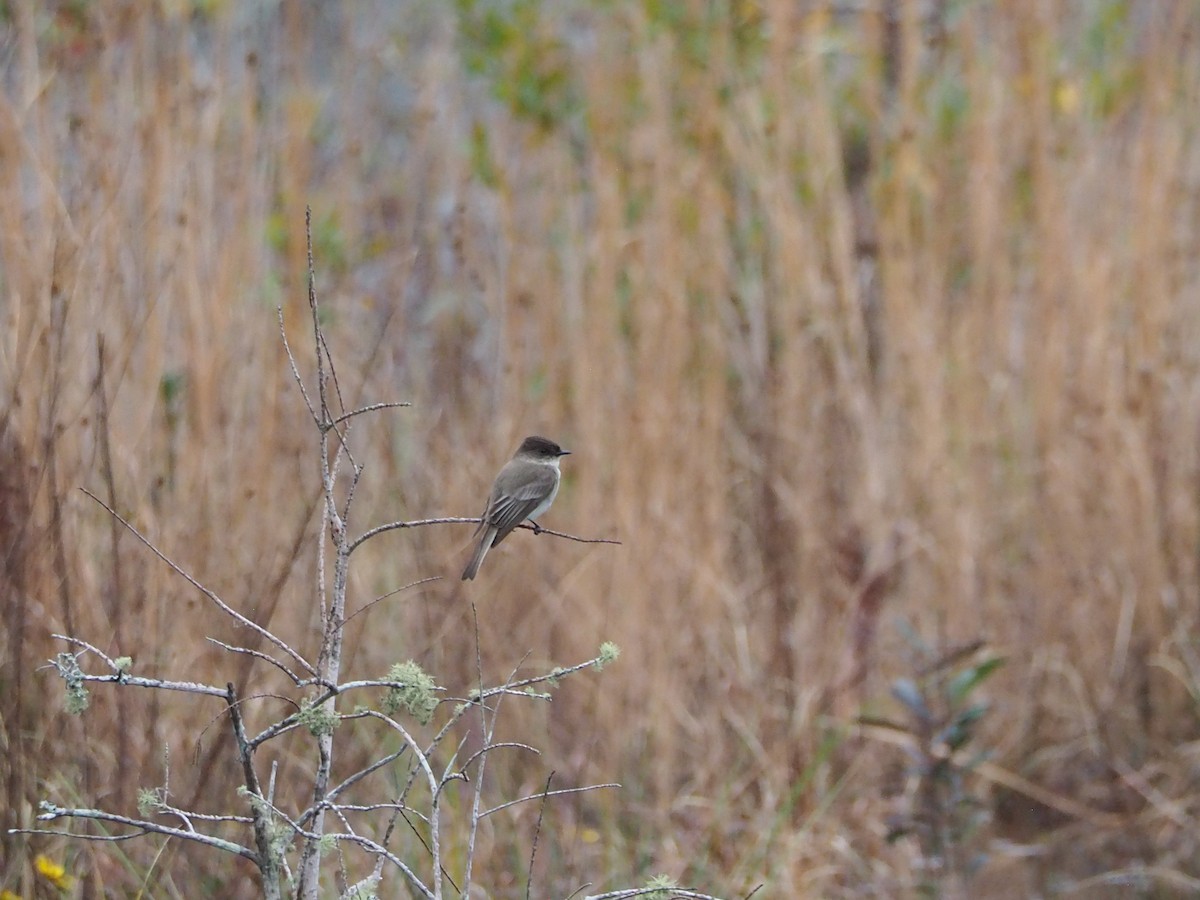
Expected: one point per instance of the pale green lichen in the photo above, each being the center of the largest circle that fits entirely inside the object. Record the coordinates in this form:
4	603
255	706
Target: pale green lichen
414	692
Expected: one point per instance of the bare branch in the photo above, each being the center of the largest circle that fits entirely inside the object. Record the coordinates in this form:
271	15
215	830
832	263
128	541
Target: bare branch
79	642
538	529
553	675
435	805
673	893
372	807
120	676
363	773
53	812
416	523
374	407
98	838
258	654
382	597
489	731
384	852
266	859
295	369
509	744
211	595
537	833
186	687
543	794
461	520
187	814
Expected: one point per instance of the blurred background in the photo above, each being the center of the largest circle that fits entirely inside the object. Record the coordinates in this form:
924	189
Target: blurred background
874	328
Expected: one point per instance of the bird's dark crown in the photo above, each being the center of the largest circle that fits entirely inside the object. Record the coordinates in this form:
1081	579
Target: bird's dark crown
540	446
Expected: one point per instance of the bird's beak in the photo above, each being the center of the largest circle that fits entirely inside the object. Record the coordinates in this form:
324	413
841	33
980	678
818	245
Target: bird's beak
564	452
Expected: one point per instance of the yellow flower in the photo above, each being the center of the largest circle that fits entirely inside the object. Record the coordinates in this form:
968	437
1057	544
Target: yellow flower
53	872
1066	97
9	895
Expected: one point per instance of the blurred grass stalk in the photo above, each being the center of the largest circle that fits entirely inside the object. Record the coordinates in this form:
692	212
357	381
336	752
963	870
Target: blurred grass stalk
848	310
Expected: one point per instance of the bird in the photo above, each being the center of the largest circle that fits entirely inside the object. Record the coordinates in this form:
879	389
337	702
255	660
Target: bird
523	489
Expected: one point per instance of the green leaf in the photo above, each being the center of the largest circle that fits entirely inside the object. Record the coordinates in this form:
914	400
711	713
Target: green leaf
967	680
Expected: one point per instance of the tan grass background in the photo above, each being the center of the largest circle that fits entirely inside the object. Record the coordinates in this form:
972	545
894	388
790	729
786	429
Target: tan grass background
853	313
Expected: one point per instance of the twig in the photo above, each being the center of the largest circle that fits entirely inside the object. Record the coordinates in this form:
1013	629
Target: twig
511	687
673	893
374	407
570	537
187	815
98	838
217	718
358	776
416	523
79	642
382	597
384	852
435	806
120	676
211	595
257	654
477	794
544	794
287	347
53	812
537	832
509	744
371	807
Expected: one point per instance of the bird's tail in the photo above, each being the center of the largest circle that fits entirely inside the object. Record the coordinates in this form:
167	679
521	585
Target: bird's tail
481	549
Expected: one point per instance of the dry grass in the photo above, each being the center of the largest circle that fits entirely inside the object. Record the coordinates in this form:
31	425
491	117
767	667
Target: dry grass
848	316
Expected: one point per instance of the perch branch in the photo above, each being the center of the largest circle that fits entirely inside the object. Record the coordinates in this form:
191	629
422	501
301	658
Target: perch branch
467	520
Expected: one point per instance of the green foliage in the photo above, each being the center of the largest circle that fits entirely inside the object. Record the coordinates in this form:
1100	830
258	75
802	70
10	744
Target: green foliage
276	228
483	163
329	238
513	48
697	27
950	103
943	712
966	681
329	242
170	389
414	693
1110	77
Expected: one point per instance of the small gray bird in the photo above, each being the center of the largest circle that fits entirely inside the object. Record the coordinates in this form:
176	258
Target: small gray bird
524	489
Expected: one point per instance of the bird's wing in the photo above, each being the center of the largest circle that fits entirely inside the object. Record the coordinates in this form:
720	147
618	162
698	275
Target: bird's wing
507	512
